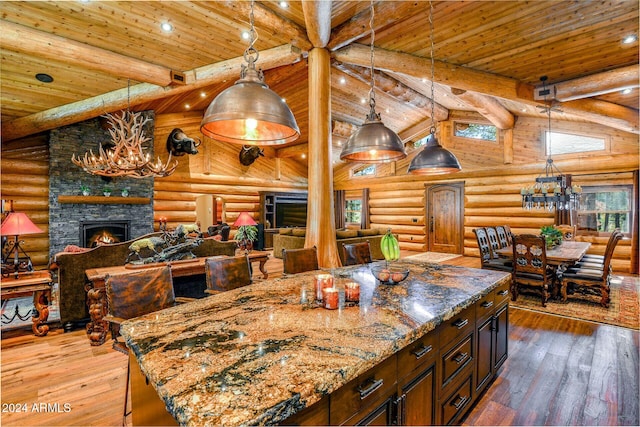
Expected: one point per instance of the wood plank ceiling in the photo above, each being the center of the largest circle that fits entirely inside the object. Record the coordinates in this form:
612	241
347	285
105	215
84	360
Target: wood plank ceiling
489	57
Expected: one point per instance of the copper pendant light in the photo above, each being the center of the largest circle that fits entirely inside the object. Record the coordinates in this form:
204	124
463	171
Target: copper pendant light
433	159
373	142
248	112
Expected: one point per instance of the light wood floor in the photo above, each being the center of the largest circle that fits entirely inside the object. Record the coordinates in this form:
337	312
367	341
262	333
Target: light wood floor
559	372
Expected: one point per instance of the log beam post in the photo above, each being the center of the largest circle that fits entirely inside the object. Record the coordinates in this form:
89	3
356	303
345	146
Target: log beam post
321	226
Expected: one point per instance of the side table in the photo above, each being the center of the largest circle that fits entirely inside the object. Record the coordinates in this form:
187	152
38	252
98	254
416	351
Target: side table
36	283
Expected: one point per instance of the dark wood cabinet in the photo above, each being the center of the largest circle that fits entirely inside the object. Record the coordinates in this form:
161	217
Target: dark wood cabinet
416	404
501	336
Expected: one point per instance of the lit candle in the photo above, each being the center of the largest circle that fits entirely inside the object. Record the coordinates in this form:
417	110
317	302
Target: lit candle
330	298
352	292
322	281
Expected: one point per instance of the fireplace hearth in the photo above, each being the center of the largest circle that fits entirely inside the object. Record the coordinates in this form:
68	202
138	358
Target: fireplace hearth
95	233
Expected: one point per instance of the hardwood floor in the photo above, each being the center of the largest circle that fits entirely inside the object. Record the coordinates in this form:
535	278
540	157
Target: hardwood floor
559	372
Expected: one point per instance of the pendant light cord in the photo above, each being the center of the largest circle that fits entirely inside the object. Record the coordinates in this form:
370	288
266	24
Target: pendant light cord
433	64
372	93
251	54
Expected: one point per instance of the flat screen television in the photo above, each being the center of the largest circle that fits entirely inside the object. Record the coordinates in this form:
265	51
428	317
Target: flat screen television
291	214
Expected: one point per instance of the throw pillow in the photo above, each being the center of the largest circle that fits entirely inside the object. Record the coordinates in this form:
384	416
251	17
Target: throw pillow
75	248
286	231
299	232
346	234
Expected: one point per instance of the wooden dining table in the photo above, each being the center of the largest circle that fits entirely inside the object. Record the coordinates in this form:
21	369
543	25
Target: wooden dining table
565	254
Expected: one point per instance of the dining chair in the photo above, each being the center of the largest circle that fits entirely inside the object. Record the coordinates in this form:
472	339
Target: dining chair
589	278
568	231
530	268
299	260
356	253
494	242
134	294
486	257
503	238
226	273
599	259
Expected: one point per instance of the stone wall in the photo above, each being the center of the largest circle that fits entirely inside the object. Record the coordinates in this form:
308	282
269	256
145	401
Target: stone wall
65	178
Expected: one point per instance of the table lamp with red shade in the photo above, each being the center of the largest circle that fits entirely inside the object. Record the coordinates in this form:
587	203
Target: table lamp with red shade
17	224
247	230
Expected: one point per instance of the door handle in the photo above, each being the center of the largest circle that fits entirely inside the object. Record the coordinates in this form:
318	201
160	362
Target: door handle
431	224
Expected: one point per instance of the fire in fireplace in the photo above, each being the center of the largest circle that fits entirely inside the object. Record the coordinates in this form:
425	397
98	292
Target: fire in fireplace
95	233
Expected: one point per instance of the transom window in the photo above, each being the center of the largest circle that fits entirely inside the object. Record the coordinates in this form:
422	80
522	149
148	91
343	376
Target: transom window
475	131
353	211
605	208
567	143
366	170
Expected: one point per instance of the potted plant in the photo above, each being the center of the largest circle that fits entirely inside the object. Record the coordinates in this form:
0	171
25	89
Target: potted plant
85	190
106	191
246	235
125	192
552	236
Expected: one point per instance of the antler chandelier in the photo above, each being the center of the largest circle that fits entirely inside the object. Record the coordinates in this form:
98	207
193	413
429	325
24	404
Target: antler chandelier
127	156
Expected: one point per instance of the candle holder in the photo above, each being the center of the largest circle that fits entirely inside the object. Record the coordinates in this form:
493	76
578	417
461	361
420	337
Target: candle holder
322	281
330	298
352	292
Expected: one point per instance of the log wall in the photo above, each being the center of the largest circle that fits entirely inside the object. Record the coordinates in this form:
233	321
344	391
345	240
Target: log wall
491	187
25	180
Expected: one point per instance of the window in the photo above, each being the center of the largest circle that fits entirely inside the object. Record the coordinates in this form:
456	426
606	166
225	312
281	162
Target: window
566	143
367	170
605	208
353	211
476	131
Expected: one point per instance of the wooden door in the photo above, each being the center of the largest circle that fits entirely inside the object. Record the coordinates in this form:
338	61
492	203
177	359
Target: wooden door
445	217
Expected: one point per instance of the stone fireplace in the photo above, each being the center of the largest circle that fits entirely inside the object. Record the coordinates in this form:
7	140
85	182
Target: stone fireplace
67	221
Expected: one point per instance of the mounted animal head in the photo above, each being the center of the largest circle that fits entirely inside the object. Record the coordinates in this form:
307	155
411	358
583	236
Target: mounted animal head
249	153
179	144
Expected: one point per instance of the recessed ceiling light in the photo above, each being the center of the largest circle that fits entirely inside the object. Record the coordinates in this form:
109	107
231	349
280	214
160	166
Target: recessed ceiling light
362	100
630	39
424	80
166	27
245	35
342	80
626	91
304	156
44	78
284	4
187	106
203	95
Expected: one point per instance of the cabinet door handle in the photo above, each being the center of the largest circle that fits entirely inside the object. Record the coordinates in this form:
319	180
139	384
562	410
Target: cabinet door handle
373	384
461	323
461	357
419	352
487	304
402	413
503	292
459	402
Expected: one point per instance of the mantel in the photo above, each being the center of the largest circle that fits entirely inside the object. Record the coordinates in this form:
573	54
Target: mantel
103	200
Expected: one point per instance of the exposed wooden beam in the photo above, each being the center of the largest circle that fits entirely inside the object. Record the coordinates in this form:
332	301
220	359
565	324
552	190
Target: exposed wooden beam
601	112
22	39
507	142
140	93
397	90
488	107
386	13
597	84
415	132
292	151
317	18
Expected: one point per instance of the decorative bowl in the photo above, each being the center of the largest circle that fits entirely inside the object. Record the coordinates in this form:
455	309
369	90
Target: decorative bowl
389	274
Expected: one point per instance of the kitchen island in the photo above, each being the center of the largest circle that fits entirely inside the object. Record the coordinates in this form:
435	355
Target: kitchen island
263	353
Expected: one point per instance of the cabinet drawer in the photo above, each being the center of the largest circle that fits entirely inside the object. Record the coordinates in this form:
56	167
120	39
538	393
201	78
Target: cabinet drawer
502	293
458	325
485	306
456	359
351	398
456	403
417	354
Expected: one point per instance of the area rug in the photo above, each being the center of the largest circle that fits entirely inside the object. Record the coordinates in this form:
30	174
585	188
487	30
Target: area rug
623	309
432	257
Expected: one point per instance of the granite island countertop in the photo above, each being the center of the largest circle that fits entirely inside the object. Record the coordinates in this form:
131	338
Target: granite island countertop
258	354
